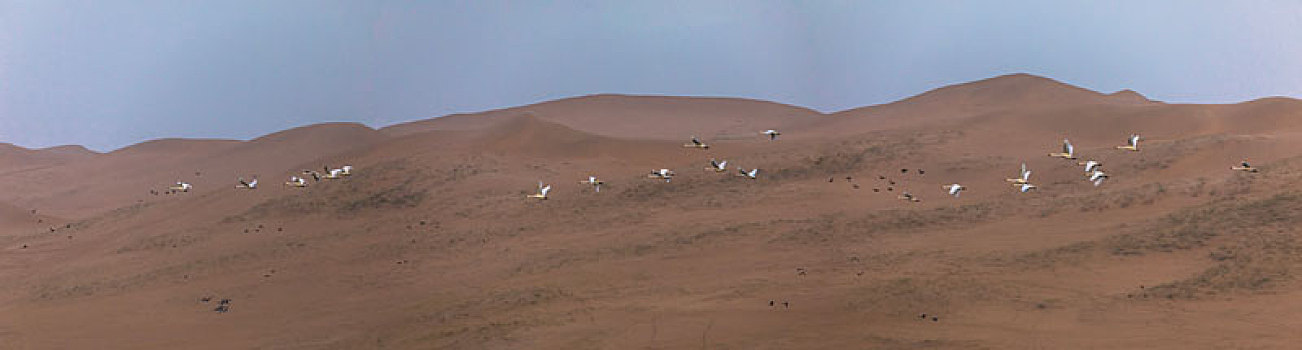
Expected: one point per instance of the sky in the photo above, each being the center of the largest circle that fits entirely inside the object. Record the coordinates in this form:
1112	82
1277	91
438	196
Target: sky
107	74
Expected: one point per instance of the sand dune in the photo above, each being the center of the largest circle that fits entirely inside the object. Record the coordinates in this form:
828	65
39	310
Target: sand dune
433	244
103	182
16	159
639	117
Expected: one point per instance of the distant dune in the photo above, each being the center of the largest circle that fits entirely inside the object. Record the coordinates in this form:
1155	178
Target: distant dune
15	158
637	117
431	242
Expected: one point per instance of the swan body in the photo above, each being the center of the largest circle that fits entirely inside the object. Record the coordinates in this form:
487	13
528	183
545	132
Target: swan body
1023	177
1132	143
592	181
696	143
248	185
1068	151
663	174
542	191
955	189
295	181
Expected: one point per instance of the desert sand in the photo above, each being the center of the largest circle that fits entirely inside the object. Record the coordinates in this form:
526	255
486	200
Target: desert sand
432	244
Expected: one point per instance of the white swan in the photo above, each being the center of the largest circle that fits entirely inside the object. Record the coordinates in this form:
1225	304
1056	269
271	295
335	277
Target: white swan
1027	187
337	172
181	186
592	180
249	185
327	173
718	166
696	143
1091	165
748	174
664	174
542	191
1068	152
296	181
1097	177
955	189
1132	143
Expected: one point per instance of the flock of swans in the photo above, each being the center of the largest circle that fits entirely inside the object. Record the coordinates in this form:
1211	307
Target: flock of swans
294	181
1093	169
1094	173
336	173
667	175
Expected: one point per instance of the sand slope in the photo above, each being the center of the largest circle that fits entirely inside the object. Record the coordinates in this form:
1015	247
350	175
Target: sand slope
432	243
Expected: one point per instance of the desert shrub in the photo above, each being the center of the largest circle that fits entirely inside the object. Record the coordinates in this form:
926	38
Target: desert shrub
1261	249
400	196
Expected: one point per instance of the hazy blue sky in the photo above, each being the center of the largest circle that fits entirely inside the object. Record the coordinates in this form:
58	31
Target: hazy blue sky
111	73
